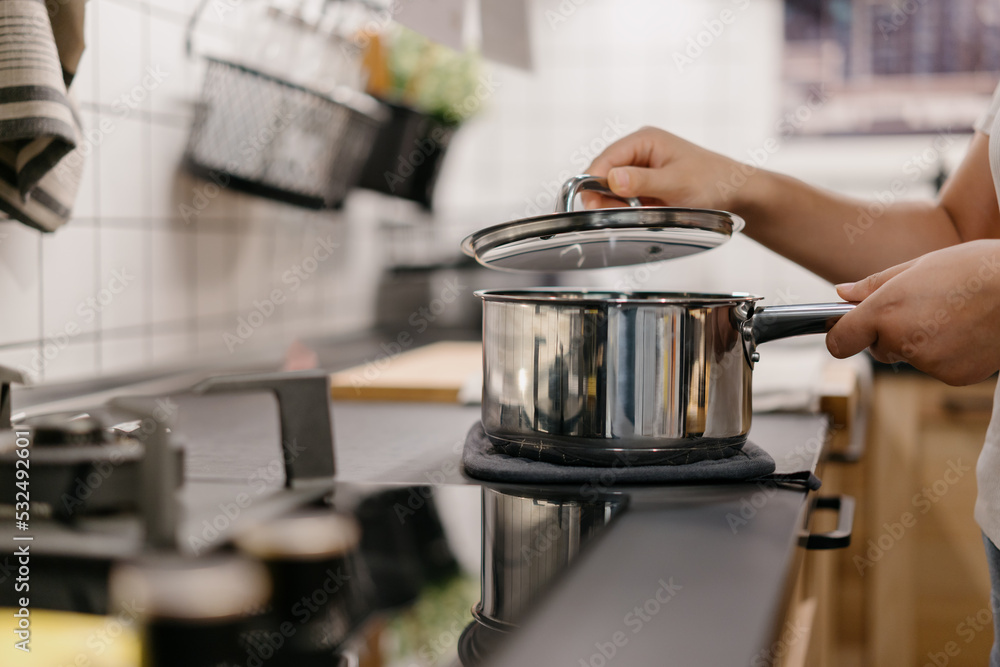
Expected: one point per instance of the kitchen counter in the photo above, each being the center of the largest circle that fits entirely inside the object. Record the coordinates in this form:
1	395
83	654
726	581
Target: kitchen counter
726	554
731	551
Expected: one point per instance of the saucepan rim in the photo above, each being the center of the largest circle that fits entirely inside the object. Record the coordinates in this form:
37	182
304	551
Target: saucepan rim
571	296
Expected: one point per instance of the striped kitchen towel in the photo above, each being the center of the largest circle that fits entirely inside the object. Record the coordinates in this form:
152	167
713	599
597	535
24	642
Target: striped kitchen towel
40	138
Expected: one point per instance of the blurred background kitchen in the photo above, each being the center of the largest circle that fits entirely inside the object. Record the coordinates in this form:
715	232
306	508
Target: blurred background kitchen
260	174
197	256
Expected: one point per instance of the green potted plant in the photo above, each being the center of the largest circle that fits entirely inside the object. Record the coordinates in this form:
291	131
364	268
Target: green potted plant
430	91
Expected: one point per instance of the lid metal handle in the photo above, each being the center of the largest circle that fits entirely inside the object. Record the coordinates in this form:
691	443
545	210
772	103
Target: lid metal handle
577	184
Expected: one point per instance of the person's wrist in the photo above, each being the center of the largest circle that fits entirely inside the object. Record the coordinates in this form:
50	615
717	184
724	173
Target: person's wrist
749	200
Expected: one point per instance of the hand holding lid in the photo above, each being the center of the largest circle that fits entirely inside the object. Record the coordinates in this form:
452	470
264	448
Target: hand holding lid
574	186
570	239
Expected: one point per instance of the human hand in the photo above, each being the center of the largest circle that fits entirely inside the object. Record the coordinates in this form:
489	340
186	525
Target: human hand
940	313
664	170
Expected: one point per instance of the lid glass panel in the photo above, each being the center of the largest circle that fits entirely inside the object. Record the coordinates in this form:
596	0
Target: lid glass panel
568	240
595	249
601	238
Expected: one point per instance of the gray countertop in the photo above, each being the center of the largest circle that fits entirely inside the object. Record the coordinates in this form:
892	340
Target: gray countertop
730	551
727	553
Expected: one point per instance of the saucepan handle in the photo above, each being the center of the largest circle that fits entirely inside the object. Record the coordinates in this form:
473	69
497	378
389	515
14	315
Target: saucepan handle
773	322
577	184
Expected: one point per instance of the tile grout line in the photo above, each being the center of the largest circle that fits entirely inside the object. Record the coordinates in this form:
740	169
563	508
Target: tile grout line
145	30
41	307
98	351
164	118
192	290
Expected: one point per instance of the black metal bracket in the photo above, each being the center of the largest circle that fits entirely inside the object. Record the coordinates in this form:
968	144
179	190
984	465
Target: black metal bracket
304	411
158	471
8	376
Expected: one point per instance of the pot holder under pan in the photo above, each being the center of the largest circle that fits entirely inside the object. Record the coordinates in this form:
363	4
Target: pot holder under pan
482	461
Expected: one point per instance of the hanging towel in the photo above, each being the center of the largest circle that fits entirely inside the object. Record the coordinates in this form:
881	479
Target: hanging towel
40	158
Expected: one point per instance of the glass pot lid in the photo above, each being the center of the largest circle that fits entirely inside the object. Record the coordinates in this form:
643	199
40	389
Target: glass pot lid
569	240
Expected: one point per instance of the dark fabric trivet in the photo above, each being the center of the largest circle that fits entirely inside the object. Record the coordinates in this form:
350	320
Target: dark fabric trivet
674	456
483	462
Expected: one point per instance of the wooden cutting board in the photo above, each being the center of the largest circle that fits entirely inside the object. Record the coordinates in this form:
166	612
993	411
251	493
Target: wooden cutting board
435	373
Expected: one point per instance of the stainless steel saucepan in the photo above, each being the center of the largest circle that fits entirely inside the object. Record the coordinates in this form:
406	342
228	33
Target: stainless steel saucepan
636	377
602	376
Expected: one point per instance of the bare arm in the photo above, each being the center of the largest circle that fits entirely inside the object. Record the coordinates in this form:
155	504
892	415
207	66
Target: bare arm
837	237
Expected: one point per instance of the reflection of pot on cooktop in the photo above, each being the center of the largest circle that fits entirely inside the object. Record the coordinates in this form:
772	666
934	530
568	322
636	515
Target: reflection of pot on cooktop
528	539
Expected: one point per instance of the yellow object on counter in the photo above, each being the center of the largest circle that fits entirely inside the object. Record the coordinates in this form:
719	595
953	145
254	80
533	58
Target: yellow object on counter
376	63
64	639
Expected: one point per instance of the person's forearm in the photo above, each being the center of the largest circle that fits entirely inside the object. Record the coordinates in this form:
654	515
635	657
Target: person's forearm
839	238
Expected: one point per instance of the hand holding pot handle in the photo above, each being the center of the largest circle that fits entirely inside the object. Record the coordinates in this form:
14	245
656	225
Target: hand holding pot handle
773	322
577	184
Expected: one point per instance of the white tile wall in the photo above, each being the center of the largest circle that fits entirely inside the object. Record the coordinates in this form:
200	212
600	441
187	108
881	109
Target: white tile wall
20	283
123	165
123	277
168	347
608	68
117	42
119	355
73	362
174	281
69	274
189	280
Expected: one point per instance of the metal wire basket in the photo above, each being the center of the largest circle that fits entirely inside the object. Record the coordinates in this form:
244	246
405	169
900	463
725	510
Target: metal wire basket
258	133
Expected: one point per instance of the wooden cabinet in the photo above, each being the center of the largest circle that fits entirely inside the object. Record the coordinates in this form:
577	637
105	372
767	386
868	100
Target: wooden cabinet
913	588
820	592
810	618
